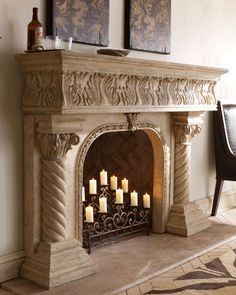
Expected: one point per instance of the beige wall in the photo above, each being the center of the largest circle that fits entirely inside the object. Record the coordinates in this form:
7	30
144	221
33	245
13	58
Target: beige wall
202	33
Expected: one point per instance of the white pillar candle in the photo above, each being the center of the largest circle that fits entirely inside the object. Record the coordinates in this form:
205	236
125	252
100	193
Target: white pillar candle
103	177
146	201
92	186
119	196
113	180
125	185
83	193
89	214
103	205
134	199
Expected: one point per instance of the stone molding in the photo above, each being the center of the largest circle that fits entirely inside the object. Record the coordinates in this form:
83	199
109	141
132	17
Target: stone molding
186	220
61	81
88	89
56	264
116	127
10	264
68	89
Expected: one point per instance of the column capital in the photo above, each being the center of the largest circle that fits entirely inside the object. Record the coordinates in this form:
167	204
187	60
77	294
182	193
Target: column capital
186	126
55	146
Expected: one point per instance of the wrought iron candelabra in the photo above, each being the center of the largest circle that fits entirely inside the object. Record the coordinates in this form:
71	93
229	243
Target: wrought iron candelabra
120	219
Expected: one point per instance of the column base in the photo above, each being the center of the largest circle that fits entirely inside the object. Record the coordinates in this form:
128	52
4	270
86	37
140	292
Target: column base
58	263
186	220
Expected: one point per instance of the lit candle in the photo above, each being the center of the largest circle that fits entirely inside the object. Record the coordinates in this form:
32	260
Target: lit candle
89	214
119	196
83	194
134	199
113	180
92	186
125	185
146	201
103	204
103	177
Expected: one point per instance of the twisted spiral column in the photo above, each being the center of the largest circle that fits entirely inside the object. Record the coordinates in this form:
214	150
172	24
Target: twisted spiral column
182	173
54	192
185	218
54	184
184	132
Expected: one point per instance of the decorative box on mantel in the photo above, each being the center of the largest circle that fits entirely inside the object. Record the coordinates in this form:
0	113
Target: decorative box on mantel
71	99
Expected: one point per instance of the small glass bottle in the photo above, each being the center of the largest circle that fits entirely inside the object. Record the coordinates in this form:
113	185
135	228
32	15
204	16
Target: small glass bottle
35	32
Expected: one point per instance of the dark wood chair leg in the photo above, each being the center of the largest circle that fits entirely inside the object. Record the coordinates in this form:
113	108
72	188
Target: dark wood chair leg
216	199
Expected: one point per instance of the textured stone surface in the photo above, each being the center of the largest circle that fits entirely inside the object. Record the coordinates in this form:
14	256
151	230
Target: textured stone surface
73	98
58	263
69	81
186	220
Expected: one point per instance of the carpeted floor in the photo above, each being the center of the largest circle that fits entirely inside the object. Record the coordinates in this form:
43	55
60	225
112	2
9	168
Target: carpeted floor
209	273
215	277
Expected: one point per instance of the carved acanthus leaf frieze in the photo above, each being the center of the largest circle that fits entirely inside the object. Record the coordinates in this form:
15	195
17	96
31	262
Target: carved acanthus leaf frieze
72	88
55	146
85	89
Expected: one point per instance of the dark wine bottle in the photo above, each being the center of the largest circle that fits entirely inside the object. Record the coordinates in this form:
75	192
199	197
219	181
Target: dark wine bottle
35	32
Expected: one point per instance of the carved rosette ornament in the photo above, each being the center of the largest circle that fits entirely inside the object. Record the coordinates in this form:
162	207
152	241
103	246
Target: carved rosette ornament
184	132
54	185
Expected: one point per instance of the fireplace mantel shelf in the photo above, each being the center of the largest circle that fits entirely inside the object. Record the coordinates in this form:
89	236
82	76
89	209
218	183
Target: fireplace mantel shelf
91	83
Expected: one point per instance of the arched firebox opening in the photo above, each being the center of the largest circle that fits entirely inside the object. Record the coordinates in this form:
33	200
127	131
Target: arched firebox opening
139	156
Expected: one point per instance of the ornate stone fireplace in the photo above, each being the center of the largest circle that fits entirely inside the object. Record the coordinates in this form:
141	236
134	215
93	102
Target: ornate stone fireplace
73	98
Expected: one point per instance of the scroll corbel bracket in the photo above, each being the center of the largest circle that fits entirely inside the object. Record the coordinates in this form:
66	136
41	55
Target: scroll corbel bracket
132	119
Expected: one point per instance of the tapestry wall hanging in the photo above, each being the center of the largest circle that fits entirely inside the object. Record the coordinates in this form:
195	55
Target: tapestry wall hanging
148	25
86	21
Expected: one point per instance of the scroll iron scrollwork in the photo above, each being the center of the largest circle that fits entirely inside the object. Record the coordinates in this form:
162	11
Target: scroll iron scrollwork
132	119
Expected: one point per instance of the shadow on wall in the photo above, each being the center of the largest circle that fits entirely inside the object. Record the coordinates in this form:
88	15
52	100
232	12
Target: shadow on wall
11	133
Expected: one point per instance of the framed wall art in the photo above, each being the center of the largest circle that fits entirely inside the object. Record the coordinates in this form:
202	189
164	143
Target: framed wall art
86	21
148	25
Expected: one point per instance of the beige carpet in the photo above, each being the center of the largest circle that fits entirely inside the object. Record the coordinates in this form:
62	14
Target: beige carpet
216	277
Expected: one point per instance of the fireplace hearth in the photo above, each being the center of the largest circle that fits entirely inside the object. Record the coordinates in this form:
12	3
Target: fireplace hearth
70	100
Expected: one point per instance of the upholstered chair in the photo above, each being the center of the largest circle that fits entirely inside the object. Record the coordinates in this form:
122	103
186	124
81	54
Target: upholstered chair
224	123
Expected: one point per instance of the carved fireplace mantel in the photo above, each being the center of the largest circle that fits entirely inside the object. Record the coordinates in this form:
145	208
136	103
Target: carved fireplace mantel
72	98
68	82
